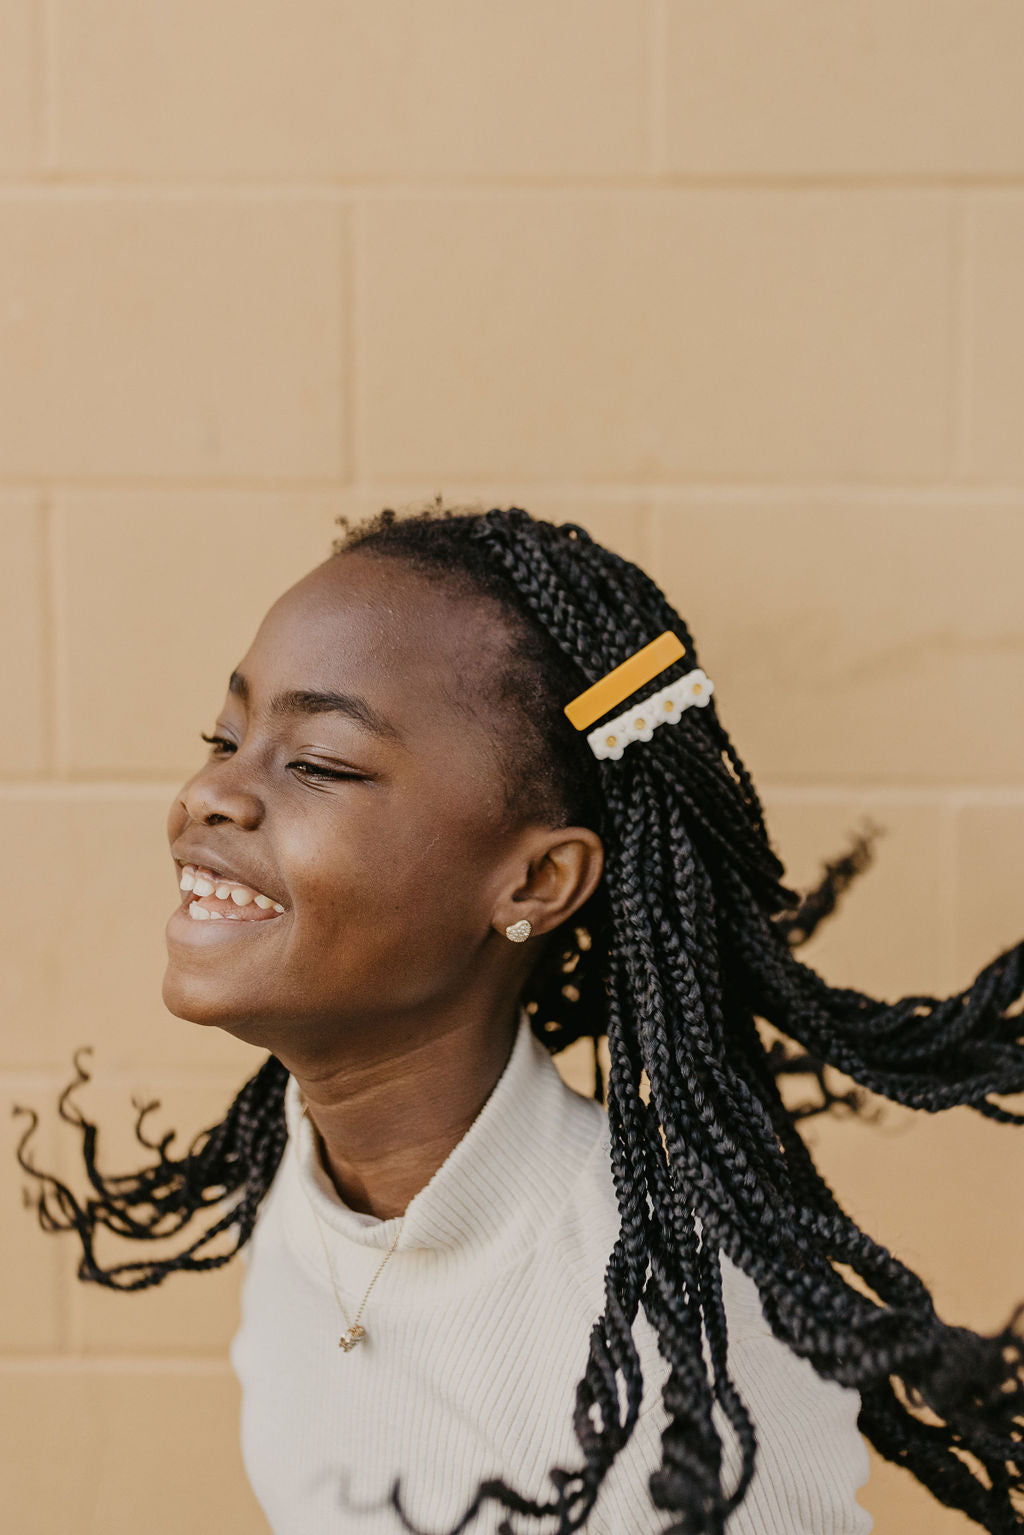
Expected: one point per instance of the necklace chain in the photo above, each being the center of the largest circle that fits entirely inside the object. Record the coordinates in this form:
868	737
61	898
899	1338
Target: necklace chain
353	1331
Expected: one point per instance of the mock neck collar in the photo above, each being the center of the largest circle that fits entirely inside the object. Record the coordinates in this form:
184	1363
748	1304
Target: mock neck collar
511	1170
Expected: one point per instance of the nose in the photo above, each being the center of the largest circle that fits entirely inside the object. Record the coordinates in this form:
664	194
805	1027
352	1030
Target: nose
213	796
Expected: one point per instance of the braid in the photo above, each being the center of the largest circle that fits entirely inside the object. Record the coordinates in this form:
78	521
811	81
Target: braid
687	945
239	1156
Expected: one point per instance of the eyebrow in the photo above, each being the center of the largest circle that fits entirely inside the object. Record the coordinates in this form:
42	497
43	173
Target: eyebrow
306	701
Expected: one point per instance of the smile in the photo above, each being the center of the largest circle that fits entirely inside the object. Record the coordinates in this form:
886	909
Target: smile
210	897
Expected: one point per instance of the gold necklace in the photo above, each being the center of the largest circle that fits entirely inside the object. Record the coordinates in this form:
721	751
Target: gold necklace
354	1331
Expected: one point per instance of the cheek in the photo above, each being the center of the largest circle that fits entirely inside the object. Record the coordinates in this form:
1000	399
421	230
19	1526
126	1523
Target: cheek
417	883
371	870
392	933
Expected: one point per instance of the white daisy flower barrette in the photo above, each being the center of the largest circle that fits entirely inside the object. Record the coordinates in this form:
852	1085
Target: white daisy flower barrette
638	723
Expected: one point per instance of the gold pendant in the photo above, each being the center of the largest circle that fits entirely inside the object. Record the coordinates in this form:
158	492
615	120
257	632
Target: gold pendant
350	1338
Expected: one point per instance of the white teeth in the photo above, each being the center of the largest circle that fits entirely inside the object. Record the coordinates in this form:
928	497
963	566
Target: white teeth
198	913
232	916
216	916
198	882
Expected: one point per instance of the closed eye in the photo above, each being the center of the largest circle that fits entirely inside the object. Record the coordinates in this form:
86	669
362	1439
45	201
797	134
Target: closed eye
221	746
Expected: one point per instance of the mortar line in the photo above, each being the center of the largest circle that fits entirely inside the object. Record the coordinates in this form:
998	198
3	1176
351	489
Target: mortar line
914	492
39	71
656	117
556	186
950	830
352	299
115	1364
61	695
963	323
18	791
48	41
44	591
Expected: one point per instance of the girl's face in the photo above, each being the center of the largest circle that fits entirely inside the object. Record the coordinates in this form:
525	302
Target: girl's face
359	786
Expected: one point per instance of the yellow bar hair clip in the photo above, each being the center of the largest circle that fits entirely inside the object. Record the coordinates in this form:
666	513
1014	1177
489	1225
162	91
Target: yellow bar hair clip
638	669
640	722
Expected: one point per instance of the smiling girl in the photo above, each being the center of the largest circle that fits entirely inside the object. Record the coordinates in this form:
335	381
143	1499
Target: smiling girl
469	800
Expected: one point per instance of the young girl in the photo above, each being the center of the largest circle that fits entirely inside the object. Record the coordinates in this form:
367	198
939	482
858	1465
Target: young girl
469	800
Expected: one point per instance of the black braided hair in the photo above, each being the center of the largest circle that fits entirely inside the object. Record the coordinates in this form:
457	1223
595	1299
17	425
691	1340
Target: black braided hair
683	959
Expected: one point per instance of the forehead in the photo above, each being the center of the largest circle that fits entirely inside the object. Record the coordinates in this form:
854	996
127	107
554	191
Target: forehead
418	648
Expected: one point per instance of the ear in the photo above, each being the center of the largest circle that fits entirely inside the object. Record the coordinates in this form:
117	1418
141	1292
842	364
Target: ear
557	870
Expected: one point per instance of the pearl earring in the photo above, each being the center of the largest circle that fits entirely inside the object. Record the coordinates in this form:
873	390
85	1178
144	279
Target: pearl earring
518	932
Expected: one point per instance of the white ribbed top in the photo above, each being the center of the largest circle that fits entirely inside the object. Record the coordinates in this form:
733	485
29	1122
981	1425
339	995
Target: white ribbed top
477	1334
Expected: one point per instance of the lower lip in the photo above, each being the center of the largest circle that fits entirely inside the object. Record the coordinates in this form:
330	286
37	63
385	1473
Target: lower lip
181	928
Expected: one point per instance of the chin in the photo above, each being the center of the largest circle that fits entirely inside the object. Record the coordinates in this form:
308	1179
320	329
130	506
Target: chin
196	1004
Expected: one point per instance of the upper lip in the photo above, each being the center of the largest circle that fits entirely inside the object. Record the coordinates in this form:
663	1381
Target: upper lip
201	857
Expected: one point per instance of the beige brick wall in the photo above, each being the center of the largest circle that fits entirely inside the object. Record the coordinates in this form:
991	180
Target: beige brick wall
740	286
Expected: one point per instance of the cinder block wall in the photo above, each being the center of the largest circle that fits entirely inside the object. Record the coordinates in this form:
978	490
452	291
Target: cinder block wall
739	286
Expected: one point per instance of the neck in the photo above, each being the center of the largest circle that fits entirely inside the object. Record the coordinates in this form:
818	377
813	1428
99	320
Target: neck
383	1129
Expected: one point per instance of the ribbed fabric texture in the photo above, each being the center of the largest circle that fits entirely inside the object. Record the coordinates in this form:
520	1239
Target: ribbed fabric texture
477	1333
